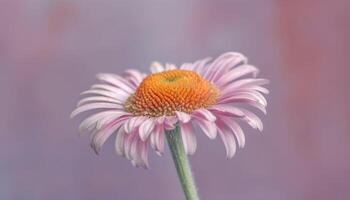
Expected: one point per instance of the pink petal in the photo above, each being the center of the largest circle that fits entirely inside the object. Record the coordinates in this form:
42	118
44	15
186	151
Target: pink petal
201	64
109	88
130	147
226	110
128	141
229	142
236	96
146	128
119	143
204	114
133	152
116	81
260	89
134	77
169	67
152	137
187	66
236	73
119	97
188	138
161	120
257	105
157	139
252	103
93	106
253	120
100	137
98	99
214	65
198	66
223	64
118	92
143	152
209	128
107	120
170	122
235	128
243	83
183	117
138	153
224	67
91	121
133	123
156	67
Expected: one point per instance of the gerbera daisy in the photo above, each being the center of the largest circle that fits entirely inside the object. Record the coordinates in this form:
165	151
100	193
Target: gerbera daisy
139	108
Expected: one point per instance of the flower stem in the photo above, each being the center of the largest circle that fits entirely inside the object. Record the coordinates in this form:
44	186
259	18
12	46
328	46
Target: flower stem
182	164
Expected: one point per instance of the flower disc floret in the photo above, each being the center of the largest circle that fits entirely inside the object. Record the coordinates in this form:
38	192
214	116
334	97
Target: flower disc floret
166	92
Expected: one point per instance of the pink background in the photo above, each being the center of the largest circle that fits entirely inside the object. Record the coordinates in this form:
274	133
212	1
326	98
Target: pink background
50	51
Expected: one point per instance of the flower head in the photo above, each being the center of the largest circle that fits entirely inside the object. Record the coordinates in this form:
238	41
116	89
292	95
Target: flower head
138	108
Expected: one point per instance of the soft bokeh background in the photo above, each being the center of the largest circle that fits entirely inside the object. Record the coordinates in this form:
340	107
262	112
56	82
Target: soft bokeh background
50	51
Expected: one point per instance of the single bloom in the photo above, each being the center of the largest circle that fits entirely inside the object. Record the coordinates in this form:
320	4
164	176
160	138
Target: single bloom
205	95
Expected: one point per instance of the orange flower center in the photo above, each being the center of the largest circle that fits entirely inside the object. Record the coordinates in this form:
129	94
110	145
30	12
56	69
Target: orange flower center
169	91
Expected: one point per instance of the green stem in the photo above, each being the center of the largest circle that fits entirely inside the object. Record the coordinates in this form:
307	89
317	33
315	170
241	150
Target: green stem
182	164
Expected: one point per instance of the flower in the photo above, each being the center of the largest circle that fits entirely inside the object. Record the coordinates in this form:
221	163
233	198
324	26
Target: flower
204	94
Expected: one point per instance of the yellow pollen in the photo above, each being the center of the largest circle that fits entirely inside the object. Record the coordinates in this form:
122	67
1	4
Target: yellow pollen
166	92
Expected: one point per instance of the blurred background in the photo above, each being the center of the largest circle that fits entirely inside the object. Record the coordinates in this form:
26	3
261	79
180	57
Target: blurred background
51	50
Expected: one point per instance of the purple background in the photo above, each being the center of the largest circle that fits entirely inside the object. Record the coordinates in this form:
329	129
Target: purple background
50	51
